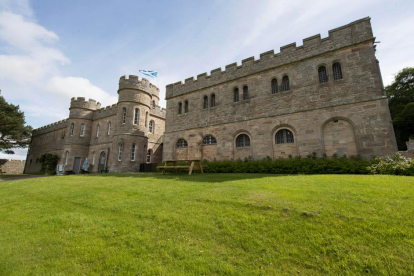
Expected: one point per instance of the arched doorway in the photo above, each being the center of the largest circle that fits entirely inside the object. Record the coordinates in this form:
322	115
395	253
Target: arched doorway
339	138
102	159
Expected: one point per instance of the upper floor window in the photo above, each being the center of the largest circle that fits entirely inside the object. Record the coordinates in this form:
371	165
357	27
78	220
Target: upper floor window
186	107
123	115
337	71
209	140
82	130
120	147
180	108
242	141
236	95
146	119
72	127
153	102
181	143
213	100
66	157
205	102
97	130
323	76
133	152
285	83
274	86
151	126
63	134
284	136
136	116
149	152
245	92
109	128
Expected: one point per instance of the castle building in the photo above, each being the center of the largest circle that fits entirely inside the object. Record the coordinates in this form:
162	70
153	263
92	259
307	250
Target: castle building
325	96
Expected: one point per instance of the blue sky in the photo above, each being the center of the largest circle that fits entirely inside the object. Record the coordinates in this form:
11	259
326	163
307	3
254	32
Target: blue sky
53	50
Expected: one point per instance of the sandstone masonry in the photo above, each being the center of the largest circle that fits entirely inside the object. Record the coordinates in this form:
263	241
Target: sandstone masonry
12	166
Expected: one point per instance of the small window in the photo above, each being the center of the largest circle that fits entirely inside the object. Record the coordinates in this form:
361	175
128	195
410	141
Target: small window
133	152
66	158
149	152
242	141
285	83
236	95
109	128
63	134
213	100
72	127
323	77
337	71
181	143
153	102
30	161
120	152
180	108
93	158
186	107
245	92
146	119
123	115
205	102
136	116
274	86
97	130
335	121
82	130
209	140
284	136
151	127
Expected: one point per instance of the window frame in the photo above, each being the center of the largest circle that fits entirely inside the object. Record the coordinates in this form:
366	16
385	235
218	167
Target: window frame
72	129
183	146
244	142
205	102
82	130
213	100
209	140
334	71
97	130
274	89
133	151
151	126
236	95
285	86
120	148
322	78
136	116
284	139
186	106
124	115
149	156
109	128
180	108
245	92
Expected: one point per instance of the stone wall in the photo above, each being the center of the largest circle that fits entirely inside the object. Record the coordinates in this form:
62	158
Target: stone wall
410	150
12	166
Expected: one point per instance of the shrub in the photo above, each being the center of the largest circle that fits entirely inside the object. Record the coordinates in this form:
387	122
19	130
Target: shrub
49	162
398	165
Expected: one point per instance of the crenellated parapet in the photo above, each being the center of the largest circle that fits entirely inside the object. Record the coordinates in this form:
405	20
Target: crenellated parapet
350	34
158	112
133	82
82	103
51	127
106	111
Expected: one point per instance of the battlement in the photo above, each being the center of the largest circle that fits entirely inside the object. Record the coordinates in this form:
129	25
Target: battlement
81	102
106	111
347	35
50	127
133	82
158	111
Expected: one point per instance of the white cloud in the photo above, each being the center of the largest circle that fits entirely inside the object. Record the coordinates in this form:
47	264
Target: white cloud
19	6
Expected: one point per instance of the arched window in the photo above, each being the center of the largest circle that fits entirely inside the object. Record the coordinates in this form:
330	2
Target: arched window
153	102
133	152
120	147
323	77
180	108
242	141
337	71
66	157
213	100
146	119
274	86
285	83
236	95
284	136
72	127
181	143
97	130
82	130
93	158
123	115
109	128
209	140
136	116
186	107
151	126
205	102
245	92
149	152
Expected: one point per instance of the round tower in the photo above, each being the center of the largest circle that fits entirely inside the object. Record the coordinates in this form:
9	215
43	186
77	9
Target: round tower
155	95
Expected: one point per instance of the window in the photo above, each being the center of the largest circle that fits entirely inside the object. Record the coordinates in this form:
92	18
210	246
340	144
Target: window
209	140
82	130
109	128
31	161
93	158
205	102
323	77
180	108
149	156
213	100
284	136
153	102
146	119
136	116
151	126
245	92
274	86
236	95
182	143
337	71
133	152
66	157
120	152
72	127
123	115
285	83
242	141
97	130
186	107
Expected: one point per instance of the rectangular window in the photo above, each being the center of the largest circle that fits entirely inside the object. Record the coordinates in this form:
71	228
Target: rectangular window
82	130
120	152
133	152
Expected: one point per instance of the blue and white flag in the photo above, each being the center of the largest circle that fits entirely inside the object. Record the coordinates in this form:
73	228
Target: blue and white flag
152	74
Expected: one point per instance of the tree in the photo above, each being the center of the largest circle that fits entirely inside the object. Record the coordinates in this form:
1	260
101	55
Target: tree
401	102
13	133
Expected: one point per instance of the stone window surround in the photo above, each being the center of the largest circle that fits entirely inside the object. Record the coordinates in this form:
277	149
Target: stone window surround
241	133
184	144
211	143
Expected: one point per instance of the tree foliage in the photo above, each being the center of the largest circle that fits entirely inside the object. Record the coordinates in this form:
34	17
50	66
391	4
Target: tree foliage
49	162
401	102
13	132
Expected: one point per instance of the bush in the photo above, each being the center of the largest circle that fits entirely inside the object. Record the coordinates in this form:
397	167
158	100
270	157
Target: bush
398	165
49	162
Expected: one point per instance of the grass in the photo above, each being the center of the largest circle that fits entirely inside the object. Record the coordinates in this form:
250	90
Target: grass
216	224
11	175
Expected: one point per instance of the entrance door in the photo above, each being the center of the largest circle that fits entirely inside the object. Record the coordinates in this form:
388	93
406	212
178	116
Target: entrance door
76	165
102	162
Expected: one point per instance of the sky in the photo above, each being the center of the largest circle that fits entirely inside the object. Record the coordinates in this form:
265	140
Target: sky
51	51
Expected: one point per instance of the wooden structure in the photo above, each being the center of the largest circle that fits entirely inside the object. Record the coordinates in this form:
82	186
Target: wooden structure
171	164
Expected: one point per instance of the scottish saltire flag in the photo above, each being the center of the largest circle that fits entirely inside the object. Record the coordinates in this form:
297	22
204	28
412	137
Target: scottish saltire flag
152	74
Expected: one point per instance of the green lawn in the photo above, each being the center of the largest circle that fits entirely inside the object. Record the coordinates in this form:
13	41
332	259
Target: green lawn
11	175
216	224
